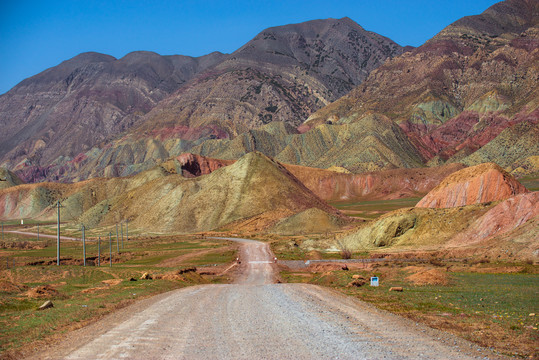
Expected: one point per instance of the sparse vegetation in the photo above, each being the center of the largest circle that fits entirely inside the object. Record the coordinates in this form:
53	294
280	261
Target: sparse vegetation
82	294
373	209
474	304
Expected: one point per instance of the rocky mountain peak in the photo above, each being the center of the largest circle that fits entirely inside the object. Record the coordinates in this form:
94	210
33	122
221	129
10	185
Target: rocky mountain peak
328	47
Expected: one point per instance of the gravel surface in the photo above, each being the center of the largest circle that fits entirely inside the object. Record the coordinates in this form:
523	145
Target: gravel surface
257	319
42	235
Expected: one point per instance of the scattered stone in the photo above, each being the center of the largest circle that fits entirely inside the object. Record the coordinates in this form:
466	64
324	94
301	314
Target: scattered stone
47	304
357	282
532	314
356	276
396	288
132	279
146	276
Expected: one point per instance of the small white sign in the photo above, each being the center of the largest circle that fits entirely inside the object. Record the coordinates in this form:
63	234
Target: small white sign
374	281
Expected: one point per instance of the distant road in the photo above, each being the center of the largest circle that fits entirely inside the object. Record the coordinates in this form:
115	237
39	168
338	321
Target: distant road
258	319
41	235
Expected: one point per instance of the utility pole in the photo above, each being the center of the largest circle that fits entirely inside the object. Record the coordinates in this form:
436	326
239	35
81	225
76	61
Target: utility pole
2	231
127	230
58	233
110	248
117	240
37	232
99	251
84	244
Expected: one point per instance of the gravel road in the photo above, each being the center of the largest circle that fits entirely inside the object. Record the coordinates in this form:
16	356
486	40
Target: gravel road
41	235
257	319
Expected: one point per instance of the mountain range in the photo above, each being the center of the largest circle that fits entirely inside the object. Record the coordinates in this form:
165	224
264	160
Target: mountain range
144	99
321	93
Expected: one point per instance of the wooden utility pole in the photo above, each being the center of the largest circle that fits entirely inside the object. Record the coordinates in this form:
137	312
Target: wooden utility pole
99	251
127	230
37	232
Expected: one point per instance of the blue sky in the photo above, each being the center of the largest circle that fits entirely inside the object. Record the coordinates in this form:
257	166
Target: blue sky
36	35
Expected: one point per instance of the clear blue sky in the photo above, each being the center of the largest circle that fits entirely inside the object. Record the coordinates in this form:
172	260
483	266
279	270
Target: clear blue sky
36	35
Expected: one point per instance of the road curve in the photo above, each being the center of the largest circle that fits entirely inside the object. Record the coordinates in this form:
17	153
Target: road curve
257	319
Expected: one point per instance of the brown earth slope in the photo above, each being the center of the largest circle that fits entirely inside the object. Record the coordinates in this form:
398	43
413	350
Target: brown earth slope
477	184
502	219
8	179
38	200
254	189
252	194
508	231
68	109
168	104
460	90
331	185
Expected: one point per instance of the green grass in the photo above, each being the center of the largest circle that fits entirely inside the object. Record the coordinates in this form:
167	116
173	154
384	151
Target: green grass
490	309
530	182
213	258
374	209
81	294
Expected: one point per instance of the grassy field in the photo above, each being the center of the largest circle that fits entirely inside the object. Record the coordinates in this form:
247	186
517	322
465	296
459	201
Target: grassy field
530	182
496	310
372	209
83	294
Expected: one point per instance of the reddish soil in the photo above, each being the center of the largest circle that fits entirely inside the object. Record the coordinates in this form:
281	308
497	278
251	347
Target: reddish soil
333	186
42	292
477	184
429	277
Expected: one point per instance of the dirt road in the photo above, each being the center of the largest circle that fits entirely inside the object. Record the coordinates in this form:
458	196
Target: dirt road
42	235
257	319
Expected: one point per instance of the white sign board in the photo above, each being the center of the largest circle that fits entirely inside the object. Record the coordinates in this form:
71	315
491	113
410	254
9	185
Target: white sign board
374	281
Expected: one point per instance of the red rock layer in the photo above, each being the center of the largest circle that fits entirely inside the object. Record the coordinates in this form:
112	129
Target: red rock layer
333	186
502	218
195	165
473	185
388	184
